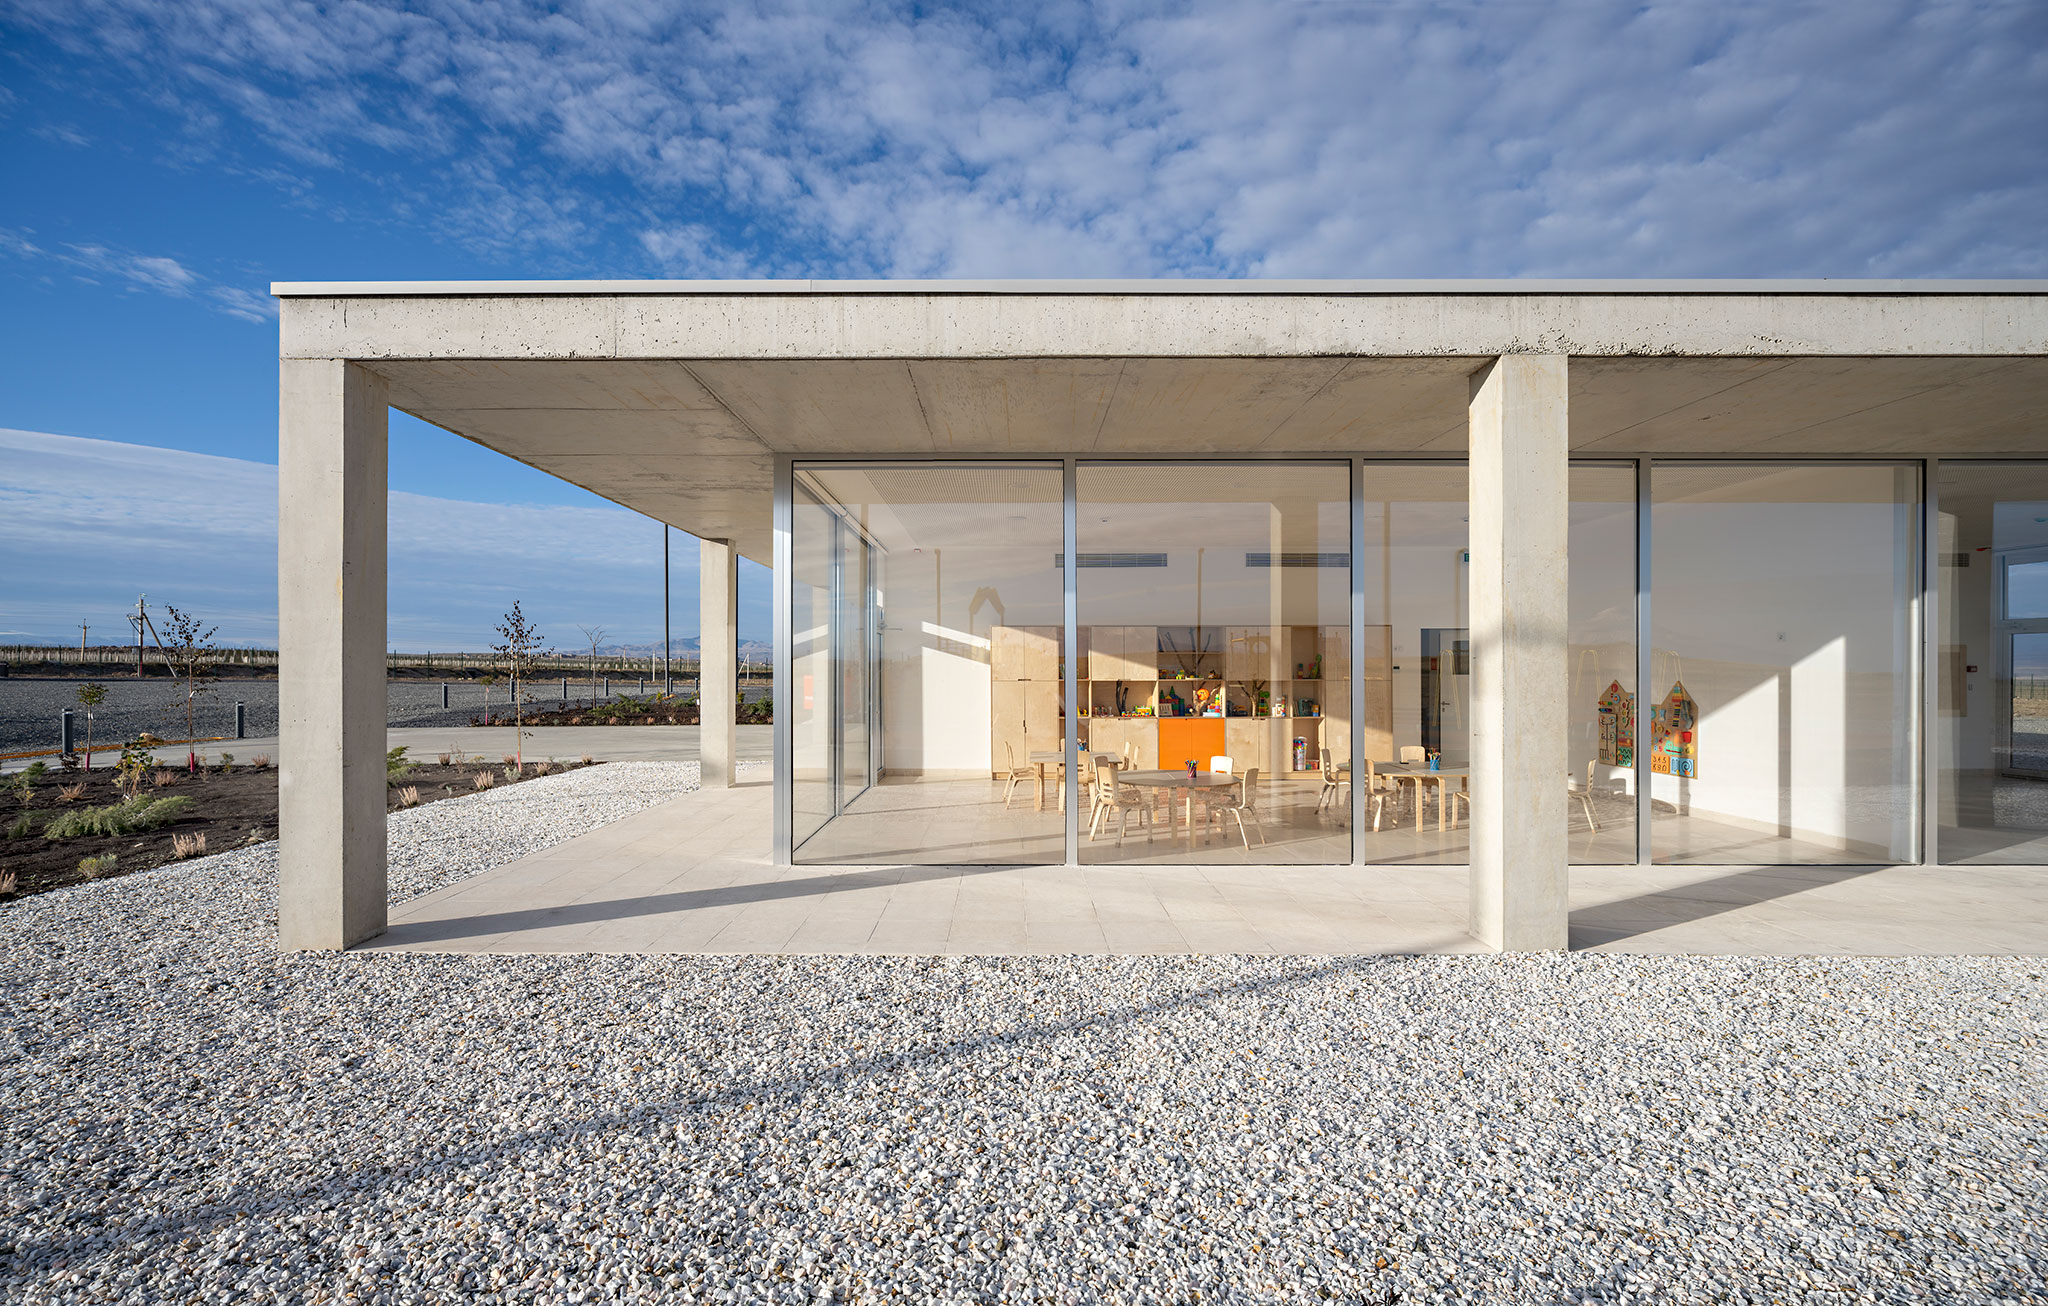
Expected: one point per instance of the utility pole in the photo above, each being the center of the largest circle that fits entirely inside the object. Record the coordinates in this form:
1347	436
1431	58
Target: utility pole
141	617
82	628
664	609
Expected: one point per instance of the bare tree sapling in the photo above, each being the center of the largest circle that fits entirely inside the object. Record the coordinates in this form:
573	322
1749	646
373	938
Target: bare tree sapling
519	645
593	635
189	648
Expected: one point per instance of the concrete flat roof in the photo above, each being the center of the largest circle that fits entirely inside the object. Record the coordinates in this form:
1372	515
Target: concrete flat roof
675	398
1170	286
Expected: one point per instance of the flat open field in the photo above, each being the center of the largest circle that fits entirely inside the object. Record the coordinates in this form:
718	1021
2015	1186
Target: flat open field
30	708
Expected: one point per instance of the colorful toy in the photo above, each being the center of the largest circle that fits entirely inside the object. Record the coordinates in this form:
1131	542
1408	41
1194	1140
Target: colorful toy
1674	735
1617	726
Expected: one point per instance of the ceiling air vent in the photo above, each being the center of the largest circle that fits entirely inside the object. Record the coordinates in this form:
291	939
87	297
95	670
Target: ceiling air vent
1297	560
1112	560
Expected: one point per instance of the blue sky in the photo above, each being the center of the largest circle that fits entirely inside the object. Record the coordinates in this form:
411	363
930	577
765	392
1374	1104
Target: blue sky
166	161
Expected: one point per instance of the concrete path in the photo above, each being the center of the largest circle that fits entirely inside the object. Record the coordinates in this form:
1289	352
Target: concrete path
693	876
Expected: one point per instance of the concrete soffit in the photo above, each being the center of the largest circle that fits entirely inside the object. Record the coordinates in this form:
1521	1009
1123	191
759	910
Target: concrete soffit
677	404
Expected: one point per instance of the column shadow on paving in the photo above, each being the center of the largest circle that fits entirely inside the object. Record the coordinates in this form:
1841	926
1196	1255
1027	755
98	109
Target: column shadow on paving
694	875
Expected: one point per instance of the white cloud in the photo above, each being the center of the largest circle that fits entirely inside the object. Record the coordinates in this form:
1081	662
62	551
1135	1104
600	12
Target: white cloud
1604	137
249	305
145	272
86	525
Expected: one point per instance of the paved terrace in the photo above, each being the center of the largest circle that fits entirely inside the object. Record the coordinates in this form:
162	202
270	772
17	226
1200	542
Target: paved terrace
693	875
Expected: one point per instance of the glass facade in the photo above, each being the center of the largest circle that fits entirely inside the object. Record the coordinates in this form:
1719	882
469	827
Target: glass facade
1991	664
927	630
1600	814
1783	686
1213	607
1417	665
1758	669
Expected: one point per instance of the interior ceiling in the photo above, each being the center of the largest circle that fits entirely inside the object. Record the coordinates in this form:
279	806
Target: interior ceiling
693	442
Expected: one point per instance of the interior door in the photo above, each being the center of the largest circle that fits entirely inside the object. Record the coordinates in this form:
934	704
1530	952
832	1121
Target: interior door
1447	692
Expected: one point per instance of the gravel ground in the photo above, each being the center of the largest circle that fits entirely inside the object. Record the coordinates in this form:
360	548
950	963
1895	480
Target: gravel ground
191	1117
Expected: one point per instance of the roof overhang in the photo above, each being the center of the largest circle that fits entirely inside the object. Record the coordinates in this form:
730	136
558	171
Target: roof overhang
674	398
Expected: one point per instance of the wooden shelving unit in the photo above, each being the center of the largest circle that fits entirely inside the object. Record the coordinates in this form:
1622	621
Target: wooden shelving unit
1140	685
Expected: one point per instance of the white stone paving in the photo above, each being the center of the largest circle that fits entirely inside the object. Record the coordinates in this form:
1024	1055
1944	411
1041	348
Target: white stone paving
186	1115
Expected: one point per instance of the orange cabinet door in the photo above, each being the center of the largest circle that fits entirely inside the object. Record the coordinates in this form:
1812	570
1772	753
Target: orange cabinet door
1181	738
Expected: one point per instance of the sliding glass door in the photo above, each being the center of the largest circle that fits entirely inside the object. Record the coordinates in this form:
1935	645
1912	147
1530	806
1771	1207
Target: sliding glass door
946	650
835	619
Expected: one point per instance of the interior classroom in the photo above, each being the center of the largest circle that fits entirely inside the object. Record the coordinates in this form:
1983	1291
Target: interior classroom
1213	626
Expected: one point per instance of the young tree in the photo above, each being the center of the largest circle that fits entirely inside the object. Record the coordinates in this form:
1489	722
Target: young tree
516	652
90	697
593	635
190	649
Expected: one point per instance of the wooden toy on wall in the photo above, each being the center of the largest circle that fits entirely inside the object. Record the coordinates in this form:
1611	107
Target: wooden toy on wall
1617	726
1674	735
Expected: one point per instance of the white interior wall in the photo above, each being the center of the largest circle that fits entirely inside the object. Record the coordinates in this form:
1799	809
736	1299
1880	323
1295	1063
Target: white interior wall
1780	620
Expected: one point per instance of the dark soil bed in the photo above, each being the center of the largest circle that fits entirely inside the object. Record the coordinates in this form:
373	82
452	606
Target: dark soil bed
231	808
654	711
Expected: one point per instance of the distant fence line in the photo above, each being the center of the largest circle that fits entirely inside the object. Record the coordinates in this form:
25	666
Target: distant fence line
556	664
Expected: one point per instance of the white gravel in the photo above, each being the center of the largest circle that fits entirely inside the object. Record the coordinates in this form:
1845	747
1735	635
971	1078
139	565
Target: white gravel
187	1116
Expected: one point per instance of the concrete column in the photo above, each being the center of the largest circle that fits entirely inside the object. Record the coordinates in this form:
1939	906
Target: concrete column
332	491
718	671
1520	505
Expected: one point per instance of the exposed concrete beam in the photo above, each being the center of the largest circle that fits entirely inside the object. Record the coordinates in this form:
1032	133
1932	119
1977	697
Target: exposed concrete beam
333	490
928	325
1520	514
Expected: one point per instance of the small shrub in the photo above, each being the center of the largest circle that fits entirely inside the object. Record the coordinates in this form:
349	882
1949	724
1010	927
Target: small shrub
92	868
227	763
444	758
70	793
188	845
118	818
544	768
7	884
409	796
484	779
35	771
23	826
511	762
396	768
261	761
588	759
136	761
164	779
512	770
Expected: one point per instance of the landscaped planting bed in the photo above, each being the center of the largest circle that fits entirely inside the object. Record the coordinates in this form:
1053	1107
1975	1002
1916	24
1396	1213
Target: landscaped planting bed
651	710
65	827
